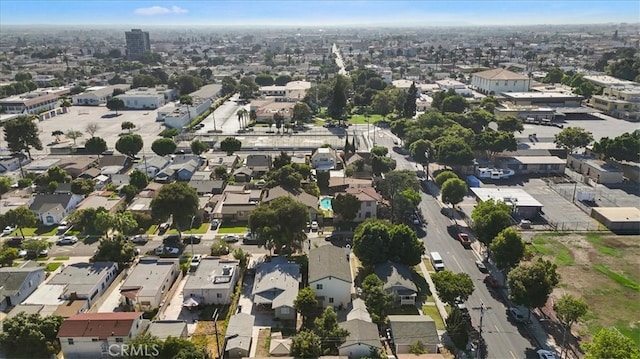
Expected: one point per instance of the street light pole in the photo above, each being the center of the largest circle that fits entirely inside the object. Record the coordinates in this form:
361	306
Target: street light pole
426	156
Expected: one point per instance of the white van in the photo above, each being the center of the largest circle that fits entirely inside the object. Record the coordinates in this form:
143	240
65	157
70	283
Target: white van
436	261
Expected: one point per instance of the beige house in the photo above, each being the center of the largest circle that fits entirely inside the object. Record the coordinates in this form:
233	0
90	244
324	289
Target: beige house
497	81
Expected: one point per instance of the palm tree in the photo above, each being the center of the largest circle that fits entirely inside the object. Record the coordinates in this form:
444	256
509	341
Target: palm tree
187	101
242	113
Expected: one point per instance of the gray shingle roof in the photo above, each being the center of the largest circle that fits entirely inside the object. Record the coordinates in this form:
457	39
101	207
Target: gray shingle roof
239	331
359	311
395	277
12	279
361	332
45	202
407	329
277	282
328	261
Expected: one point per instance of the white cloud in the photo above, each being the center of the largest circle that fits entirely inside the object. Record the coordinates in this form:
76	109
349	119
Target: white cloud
159	10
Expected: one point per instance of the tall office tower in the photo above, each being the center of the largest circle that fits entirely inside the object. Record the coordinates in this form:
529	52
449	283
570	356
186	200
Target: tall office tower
137	43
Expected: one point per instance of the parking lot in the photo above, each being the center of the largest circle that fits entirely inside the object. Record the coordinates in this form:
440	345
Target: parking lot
108	125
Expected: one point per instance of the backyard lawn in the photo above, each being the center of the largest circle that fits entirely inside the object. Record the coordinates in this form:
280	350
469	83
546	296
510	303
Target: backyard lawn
604	270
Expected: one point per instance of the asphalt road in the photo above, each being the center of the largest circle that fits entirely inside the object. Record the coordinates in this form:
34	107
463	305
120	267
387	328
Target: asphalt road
503	338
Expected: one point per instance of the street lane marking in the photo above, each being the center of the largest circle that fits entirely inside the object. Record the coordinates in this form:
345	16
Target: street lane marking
458	263
512	355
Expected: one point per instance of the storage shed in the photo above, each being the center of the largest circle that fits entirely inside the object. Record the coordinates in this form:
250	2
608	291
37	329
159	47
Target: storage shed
620	220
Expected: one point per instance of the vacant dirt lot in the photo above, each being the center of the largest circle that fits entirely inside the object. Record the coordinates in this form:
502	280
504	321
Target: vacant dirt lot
602	269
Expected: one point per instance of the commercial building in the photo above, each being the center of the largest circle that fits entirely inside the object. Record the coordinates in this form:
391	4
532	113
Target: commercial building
534	165
97	95
522	203
144	98
137	43
43	102
498	81
291	92
619	101
620	220
596	170
457	86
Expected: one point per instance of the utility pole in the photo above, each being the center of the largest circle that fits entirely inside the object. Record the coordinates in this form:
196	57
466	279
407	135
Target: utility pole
215	326
482	310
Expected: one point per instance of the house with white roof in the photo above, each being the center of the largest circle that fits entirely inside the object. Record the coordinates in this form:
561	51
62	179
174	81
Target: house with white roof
148	281
497	81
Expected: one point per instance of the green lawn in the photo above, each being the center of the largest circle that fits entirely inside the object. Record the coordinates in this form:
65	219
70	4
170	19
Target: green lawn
361	119
50	267
63	258
200	230
229	229
37	231
404	310
544	245
433	312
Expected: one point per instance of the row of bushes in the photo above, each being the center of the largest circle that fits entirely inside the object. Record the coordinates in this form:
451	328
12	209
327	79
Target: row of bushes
213	107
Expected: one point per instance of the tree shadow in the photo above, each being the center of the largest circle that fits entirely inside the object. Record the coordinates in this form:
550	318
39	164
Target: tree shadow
111	115
421	283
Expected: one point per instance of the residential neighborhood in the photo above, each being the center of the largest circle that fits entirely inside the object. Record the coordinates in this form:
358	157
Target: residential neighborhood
174	191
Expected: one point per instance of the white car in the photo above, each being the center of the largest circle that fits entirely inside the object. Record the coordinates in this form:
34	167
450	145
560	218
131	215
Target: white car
231	238
195	261
314	226
63	226
44	253
22	253
8	230
172	250
67	240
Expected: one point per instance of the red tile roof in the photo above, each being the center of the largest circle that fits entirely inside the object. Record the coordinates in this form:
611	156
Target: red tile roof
100	325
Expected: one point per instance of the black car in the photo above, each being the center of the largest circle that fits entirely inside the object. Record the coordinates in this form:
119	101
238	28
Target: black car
172	240
15	242
192	239
333	237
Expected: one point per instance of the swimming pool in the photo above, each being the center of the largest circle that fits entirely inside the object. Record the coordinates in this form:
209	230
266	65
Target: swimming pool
325	203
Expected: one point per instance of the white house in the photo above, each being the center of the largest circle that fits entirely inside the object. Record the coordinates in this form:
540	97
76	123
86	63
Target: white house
96	96
98	335
178	116
369	200
16	284
52	208
497	81
362	339
148	281
325	159
85	280
330	276
213	282
457	86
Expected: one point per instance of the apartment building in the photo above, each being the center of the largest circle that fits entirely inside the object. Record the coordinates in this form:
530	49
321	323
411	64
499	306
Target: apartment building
137	43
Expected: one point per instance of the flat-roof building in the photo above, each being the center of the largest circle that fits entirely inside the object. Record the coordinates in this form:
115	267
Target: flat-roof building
35	102
522	203
621	220
598	171
148	281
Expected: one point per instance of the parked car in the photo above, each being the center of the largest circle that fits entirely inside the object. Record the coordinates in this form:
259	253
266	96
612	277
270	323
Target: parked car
314	226
464	240
15	242
140	239
192	239
215	224
43	253
171	240
195	261
333	237
250	238
22	253
163	227
67	240
172	250
481	266
63	226
230	238
546	354
8	230
517	315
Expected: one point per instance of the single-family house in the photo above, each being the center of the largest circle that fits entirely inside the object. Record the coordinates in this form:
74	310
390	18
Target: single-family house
85	280
148	281
180	168
140	204
228	162
95	335
243	174
101	199
235	206
363	338
325	159
12	163
213	281
238	336
163	329
309	200
51	209
75	165
207	186
120	180
358	310
340	184
407	330
90	173
369	200
111	165
16	284
330	276
49	298
152	165
397	279
258	164
276	287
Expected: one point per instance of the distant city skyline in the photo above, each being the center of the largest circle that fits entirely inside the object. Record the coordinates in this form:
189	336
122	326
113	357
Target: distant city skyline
317	13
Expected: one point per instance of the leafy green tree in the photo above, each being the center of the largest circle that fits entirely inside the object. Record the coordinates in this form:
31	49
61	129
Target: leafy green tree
494	142
611	344
409	108
82	186
127	125
489	103
264	79
21	134
84	219
382	164
379	151
176	200
382	103
163	146
281	160
451	286
346	206
507	248
338	106
489	219
24	182
457	328
306	304
221	172
57	134
117	249
420	149
124	222
138	179
5	185
95	145
198	147
453	191
370	242
286	176
21	217
626	68
30	335
35	246
7	256
443	176
129	192
169	132
377	300
282	80
453	151
571	138
306	344
417	348
179	348
301	112
404	246
229	86
531	284
73	135
152	344
230	145
129	145
281	223
553	76
392	187
115	104
186	83
622	148
456	104
569	310
510	124
144	80
331	335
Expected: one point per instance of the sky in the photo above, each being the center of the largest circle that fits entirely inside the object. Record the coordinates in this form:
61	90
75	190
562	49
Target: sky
318	13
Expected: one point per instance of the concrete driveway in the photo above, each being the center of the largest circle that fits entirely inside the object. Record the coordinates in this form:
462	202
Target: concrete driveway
175	310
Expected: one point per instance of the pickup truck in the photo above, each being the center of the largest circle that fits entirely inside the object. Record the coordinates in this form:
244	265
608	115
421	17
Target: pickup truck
464	240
